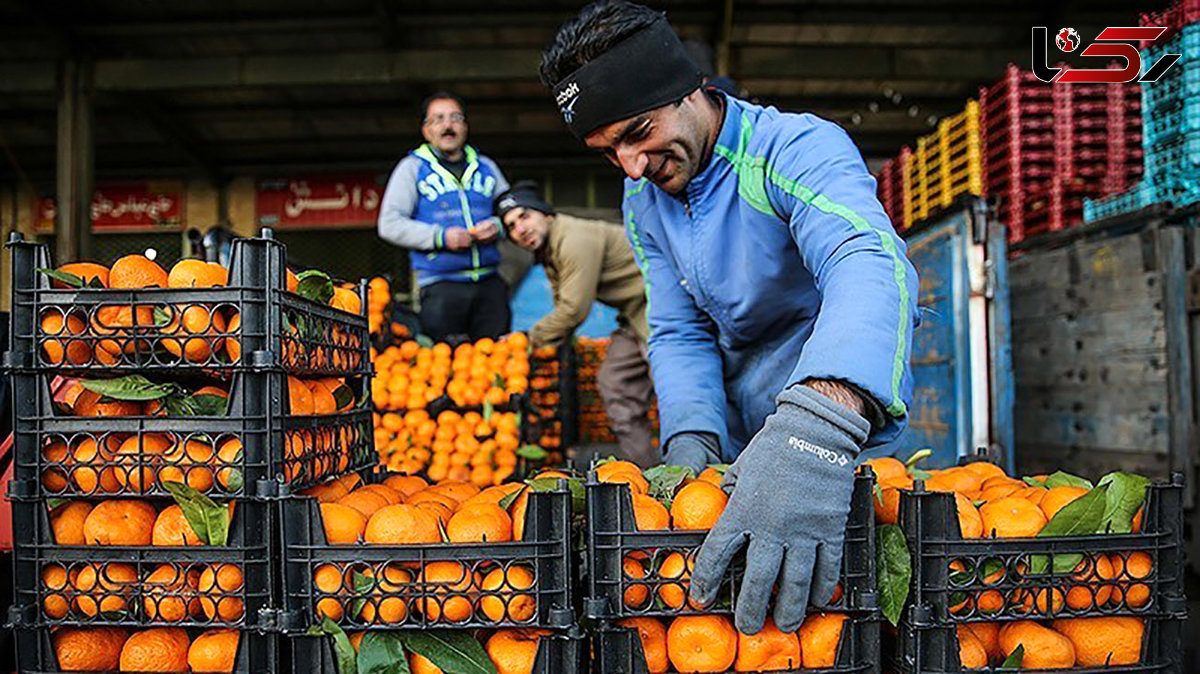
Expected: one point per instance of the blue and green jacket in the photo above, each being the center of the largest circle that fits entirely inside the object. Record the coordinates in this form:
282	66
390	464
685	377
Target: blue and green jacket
423	199
776	265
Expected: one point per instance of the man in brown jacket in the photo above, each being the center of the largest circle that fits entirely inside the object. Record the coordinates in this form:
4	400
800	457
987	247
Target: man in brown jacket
585	261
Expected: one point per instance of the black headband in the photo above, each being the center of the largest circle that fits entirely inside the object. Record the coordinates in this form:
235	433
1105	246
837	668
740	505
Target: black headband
525	194
646	70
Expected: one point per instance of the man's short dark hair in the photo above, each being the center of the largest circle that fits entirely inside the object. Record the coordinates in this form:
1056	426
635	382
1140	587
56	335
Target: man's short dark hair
598	27
441	96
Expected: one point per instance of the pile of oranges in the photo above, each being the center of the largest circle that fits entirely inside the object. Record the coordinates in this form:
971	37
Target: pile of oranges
452	446
1110	641
406	510
512	651
170	592
159	649
410	377
710	643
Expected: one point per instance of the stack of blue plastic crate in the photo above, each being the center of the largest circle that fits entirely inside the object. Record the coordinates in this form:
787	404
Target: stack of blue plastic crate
1170	134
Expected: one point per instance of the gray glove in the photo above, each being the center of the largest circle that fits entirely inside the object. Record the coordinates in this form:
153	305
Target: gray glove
694	449
790	500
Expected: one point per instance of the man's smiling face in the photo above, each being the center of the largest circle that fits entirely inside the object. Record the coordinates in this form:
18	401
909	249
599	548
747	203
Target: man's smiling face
665	145
445	126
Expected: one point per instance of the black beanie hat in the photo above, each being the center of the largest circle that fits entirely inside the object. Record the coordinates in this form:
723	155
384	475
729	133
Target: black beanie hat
525	193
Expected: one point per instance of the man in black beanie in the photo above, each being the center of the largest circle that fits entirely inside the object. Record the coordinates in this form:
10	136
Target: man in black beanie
586	261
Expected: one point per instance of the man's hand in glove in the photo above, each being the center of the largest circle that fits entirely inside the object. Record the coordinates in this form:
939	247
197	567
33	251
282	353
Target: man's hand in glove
694	449
790	500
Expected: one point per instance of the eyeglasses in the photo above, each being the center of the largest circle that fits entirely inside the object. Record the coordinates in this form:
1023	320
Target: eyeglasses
453	118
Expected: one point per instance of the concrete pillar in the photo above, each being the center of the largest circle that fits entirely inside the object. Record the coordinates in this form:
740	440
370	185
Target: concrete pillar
74	162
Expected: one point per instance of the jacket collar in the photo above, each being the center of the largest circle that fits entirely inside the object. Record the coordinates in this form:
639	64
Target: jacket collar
728	137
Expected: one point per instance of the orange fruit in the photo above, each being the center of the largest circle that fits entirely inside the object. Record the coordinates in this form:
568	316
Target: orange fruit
674	567
653	636
513	651
887	468
384	607
196	274
998	491
401	524
1135	566
172	528
1011	517
493	495
104	587
500	601
769	650
988	635
957	479
1093	590
703	643
214	651
169	594
887	505
428	496
67	521
518	510
1032	494
328	579
711	475
88	649
323	400
75	351
649	514
447	591
636	594
300	400
346	300
120	522
158	649
623	472
406	485
970	522
136	271
1055	499
1104	642
697	505
293	281
819	637
188	463
233	347
343	524
195	325
985	469
391	496
137	457
419	664
220	591
86	271
480	523
92	404
455	489
364	502
971	652
55	578
1044	647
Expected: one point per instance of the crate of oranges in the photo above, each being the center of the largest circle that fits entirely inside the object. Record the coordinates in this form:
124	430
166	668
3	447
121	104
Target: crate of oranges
826	642
146	649
507	650
1044	572
552	415
394	552
645	529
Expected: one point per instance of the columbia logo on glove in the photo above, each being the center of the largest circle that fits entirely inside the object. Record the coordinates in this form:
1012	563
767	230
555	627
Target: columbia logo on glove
831	456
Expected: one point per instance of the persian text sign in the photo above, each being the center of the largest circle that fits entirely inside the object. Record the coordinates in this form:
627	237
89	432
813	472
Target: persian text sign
123	207
319	202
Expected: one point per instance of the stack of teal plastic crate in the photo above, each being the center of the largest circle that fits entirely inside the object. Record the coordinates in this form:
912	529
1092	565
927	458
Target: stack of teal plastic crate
1170	134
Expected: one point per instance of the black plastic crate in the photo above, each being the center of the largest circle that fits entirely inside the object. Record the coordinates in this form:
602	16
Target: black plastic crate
379	586
956	580
256	652
561	652
245	453
612	536
142	585
251	323
618	650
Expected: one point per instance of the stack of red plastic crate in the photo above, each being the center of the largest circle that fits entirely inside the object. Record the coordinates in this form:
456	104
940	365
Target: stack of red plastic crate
893	189
1047	147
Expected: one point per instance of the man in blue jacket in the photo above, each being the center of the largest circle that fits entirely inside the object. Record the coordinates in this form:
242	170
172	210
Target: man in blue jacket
781	302
438	203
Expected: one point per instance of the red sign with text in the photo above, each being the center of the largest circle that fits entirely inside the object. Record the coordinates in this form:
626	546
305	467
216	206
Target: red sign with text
319	202
123	207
